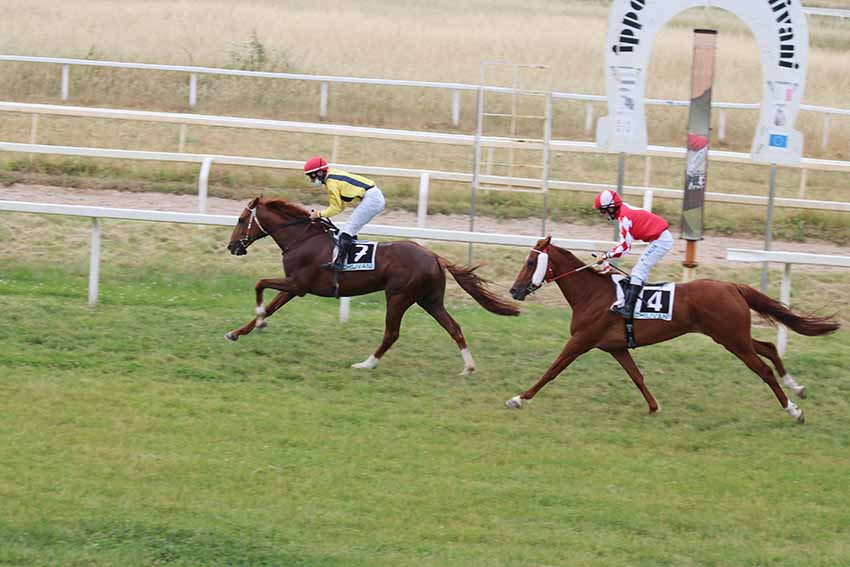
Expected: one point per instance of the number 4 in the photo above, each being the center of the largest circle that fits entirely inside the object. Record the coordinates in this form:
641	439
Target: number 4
654	302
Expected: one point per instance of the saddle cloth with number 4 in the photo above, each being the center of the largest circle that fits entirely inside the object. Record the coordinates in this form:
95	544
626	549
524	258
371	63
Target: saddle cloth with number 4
655	301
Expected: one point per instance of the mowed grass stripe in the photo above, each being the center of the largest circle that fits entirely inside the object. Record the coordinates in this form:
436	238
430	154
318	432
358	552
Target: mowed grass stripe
134	434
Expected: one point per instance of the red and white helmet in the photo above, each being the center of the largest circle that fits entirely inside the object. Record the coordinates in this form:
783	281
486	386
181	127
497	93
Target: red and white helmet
607	200
315	164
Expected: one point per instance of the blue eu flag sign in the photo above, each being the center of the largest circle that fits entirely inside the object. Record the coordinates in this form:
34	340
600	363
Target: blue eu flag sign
779	141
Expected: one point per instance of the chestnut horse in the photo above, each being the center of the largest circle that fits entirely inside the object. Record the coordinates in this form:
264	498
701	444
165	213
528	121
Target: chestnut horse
720	310
406	271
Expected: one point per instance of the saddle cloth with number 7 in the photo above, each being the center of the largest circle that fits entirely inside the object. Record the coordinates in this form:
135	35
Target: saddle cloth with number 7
655	301
361	256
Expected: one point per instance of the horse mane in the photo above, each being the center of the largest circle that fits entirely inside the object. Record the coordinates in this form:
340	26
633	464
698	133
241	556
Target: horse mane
285	208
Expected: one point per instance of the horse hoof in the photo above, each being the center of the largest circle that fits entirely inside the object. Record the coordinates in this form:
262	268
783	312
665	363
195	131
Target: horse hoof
367	364
654	411
261	326
801	419
230	336
801	393
467	371
514	403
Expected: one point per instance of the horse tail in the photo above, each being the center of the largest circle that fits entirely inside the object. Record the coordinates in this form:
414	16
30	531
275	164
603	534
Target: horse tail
477	288
775	311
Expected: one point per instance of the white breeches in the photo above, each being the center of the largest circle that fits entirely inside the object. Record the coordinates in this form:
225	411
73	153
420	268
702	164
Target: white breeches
370	206
653	253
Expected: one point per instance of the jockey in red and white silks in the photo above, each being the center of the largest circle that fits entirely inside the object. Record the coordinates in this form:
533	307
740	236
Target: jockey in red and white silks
635	224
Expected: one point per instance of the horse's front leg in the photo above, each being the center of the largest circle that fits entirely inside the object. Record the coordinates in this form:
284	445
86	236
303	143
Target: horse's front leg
279	301
289	286
574	348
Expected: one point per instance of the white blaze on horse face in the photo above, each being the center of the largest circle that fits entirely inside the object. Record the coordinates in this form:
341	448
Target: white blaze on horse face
540	271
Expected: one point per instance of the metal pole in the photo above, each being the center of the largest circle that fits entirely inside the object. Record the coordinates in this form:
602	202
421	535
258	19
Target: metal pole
476	163
825	140
784	297
721	130
203	180
94	261
547	139
588	118
768	229
621	176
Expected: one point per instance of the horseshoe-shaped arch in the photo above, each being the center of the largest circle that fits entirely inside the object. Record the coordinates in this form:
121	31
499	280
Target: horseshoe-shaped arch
782	35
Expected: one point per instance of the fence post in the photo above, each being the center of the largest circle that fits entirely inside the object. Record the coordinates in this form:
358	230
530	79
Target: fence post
193	90
344	309
721	129
323	101
804	176
34	129
66	77
647	171
588	118
784	297
203	180
647	200
825	140
456	108
181	143
94	261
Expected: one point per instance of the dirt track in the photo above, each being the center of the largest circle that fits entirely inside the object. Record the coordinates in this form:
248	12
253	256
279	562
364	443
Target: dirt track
711	250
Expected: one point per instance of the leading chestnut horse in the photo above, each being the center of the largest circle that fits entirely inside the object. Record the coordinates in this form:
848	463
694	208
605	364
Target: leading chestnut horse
718	309
408	272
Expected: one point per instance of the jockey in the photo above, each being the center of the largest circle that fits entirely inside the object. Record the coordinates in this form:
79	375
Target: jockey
635	224
342	188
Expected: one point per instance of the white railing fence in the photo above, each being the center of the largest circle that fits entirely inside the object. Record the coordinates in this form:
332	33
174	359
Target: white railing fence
337	130
455	88
787	259
97	213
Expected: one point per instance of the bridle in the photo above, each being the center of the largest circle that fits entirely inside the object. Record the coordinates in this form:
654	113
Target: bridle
547	274
246	240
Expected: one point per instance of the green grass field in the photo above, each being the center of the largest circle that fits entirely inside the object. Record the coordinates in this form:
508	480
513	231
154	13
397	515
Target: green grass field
133	434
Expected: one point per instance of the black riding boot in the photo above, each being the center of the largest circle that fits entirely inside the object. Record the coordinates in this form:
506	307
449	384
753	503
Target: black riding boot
627	311
344	244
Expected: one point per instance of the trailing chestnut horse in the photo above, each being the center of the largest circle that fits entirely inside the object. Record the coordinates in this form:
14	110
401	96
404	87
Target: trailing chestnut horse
408	272
720	310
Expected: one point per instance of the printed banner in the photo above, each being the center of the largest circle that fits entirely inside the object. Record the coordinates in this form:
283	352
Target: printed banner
782	34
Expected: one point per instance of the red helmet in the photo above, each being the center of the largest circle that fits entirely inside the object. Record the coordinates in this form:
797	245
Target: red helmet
607	200
315	164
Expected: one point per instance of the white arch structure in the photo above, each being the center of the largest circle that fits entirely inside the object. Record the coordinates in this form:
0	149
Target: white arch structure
781	30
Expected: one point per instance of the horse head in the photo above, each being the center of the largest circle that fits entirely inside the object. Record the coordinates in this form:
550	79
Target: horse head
261	218
247	229
533	272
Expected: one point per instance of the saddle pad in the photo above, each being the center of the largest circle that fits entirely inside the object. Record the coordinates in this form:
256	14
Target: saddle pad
655	301
361	256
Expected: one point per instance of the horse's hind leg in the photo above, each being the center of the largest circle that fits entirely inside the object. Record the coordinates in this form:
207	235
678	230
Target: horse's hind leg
397	305
748	355
437	310
260	323
768	350
627	362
